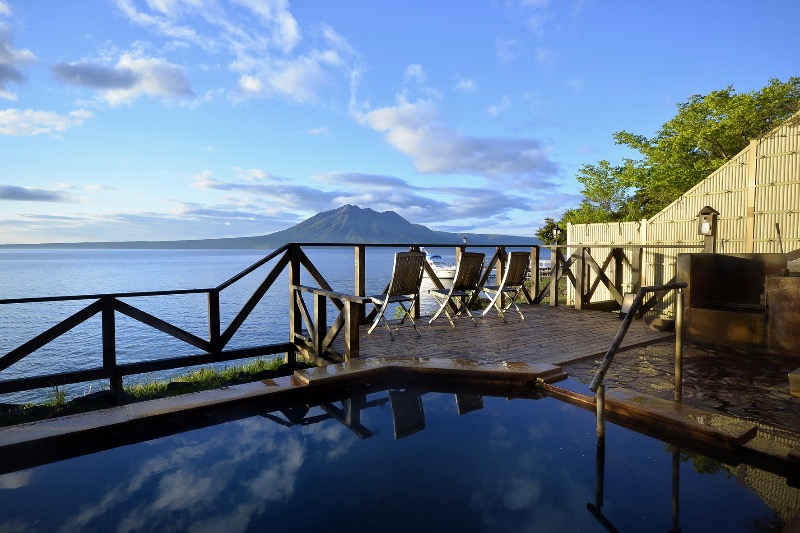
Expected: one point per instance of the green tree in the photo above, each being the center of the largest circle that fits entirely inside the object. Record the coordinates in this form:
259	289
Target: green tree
706	132
609	194
546	232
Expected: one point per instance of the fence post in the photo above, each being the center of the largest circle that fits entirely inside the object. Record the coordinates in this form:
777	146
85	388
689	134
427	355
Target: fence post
320	324
555	266
110	345
679	345
534	270
580	278
214	321
361	276
295	318
636	268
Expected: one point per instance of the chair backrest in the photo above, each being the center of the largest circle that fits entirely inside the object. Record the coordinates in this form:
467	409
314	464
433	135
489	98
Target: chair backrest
407	273
468	271
516	269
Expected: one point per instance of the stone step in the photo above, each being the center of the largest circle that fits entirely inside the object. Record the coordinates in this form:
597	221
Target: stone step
664	418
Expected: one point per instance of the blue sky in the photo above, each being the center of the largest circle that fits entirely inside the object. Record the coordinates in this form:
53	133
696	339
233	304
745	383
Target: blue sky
185	119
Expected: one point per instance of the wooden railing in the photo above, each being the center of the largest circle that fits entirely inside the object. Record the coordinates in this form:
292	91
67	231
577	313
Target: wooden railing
587	274
315	340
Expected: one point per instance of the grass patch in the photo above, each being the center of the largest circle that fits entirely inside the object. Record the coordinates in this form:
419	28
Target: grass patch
197	380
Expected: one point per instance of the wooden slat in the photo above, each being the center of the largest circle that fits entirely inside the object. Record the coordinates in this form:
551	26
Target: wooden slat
601	275
318	277
237	322
50	335
161	325
37	382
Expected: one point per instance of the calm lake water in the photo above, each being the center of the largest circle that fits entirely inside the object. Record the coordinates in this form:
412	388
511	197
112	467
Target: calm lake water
32	273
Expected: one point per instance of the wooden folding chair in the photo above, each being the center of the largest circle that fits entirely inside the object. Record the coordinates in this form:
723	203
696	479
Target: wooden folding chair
402	288
465	283
512	285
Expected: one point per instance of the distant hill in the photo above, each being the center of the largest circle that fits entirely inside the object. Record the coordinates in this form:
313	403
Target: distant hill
345	225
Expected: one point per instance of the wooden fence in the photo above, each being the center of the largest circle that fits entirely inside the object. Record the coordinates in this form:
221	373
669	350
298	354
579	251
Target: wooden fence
314	340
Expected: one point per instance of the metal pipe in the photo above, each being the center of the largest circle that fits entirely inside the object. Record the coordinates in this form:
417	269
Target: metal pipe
679	345
623	329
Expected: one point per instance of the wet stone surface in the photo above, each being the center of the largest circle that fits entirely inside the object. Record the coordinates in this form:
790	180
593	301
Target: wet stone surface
750	386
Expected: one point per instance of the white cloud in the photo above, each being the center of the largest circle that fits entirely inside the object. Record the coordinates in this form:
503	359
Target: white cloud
419	130
262	40
31	194
576	84
15	480
502	107
323	131
21	123
416	74
131	77
278	21
506	49
465	85
12	61
4	9
154	77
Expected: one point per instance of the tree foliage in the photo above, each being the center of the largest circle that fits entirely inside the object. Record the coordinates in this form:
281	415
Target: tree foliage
705	133
552	232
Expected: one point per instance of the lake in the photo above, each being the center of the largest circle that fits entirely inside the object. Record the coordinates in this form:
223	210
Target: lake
38	273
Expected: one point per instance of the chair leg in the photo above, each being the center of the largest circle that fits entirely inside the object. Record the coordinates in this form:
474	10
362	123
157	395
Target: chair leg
516	307
495	303
379	318
407	315
441	309
462	308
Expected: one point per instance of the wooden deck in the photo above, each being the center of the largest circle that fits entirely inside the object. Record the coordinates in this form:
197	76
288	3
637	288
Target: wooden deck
556	335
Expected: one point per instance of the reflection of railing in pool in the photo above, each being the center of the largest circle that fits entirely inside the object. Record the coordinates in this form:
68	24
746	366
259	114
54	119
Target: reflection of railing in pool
315	340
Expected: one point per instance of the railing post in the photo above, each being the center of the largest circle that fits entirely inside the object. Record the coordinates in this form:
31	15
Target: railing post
555	256
535	270
214	321
619	267
352	343
361	275
679	345
110	345
580	279
295	318
636	268
320	323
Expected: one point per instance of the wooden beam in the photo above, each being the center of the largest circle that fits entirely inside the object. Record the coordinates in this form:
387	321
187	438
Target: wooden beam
110	344
50	334
161	325
237	322
361	274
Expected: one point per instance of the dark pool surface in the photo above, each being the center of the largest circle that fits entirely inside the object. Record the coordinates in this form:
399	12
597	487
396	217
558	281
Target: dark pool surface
410	462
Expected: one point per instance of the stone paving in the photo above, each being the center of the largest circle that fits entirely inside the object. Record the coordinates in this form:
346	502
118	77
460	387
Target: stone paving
750	386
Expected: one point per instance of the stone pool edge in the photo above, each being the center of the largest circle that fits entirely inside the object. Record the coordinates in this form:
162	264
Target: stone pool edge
116	418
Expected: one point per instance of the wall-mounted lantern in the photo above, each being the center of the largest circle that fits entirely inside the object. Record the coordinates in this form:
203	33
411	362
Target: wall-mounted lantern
707	227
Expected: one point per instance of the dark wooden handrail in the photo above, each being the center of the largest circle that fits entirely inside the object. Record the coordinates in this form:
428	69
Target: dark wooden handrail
214	349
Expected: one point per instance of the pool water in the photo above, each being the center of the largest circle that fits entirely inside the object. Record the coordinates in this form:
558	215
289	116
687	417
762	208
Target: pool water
410	460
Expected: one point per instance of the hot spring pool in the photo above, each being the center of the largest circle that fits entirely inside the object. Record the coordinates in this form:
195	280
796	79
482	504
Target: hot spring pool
392	460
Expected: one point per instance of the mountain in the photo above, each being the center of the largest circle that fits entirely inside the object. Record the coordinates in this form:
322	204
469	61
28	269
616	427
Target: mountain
347	224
